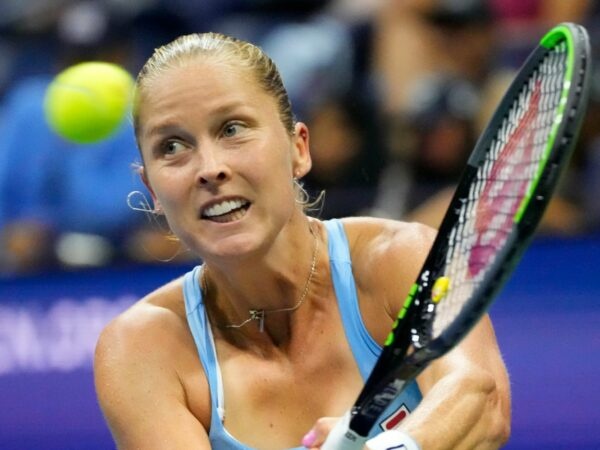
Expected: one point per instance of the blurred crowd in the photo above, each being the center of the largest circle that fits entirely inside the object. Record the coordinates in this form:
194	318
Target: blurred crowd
395	93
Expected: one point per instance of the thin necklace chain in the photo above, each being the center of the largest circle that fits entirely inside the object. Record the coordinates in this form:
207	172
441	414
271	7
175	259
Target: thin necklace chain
259	314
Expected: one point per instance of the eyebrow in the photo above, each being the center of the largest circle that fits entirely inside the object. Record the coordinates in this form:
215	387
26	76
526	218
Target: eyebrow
172	128
232	106
167	129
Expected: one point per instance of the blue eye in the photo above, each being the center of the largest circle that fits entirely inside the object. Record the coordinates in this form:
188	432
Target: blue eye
231	129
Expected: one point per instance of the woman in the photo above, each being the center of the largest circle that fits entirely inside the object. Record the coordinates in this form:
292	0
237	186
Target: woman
286	316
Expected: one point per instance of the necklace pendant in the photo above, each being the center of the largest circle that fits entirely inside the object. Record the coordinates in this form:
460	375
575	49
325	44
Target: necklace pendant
258	314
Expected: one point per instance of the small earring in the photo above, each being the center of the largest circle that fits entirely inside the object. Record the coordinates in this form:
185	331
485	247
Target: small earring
138	201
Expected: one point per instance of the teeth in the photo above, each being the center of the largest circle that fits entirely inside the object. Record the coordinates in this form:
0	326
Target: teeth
223	208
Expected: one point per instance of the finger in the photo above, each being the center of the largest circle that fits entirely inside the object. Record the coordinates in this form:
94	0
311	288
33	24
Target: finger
318	433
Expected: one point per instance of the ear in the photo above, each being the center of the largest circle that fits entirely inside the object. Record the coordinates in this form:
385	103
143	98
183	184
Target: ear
142	173
301	161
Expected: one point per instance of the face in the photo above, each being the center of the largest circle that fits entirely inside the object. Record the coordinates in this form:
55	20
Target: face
217	158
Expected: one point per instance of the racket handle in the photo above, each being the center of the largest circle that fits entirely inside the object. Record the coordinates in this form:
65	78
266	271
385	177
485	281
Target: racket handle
342	437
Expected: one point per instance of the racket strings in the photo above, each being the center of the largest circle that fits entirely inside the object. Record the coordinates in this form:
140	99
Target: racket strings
508	174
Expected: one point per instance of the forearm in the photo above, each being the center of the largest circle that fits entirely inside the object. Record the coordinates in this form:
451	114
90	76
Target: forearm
465	409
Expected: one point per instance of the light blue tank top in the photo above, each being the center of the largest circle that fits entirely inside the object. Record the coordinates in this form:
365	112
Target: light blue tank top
364	348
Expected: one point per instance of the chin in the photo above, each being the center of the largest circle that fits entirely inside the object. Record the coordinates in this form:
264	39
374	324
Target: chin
237	247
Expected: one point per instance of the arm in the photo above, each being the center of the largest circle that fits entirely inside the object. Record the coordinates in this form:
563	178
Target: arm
466	397
466	400
466	393
139	390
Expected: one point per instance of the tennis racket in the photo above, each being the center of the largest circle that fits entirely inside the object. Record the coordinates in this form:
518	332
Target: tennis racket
499	200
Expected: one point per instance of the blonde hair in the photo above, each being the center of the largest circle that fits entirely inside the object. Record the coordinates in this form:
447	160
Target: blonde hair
222	48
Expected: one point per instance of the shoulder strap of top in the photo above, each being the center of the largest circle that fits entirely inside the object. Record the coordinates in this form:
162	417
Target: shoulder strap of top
203	337
364	347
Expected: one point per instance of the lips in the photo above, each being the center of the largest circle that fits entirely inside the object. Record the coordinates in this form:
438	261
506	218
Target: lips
225	210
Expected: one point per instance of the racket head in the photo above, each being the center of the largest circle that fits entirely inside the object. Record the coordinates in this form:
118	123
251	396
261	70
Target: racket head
492	216
504	191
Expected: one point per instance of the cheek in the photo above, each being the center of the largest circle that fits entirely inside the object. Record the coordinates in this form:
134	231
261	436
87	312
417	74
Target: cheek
274	172
169	188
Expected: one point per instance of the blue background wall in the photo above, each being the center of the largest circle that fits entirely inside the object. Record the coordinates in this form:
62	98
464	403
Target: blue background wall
546	320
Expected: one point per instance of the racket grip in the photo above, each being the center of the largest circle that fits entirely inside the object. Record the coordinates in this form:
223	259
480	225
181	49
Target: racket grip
342	437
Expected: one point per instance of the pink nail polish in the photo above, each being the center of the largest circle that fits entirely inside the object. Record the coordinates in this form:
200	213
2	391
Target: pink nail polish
309	439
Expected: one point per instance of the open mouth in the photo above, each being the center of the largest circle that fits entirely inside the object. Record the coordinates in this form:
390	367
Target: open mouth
226	211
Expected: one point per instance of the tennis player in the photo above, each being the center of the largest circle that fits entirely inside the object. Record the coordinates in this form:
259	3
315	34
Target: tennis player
281	324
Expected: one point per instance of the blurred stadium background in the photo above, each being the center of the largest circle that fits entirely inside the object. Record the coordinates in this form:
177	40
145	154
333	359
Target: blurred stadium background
395	93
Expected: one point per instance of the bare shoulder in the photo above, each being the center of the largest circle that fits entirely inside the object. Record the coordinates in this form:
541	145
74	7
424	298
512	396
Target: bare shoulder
158	317
376	242
138	342
386	258
142	360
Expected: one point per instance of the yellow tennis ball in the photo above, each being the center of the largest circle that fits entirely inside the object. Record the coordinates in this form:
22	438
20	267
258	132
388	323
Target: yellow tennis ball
87	102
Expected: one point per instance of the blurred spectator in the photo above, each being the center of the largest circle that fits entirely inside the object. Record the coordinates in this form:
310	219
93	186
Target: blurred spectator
321	64
465	36
347	153
582	182
252	19
377	81
49	187
417	38
62	203
519	24
483	42
428	146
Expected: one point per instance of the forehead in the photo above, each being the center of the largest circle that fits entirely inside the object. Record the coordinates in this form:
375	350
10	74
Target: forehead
202	85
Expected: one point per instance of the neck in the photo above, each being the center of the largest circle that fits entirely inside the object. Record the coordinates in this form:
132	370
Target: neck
266	294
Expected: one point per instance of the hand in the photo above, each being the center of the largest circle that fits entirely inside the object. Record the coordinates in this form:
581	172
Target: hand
332	433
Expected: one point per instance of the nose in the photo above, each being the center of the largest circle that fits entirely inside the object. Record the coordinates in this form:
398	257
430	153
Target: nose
212	169
213	177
